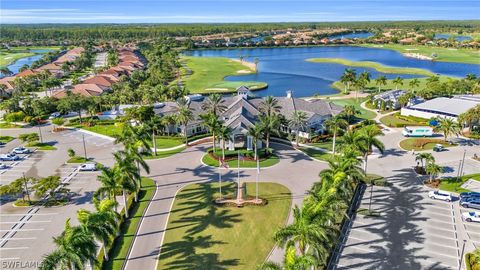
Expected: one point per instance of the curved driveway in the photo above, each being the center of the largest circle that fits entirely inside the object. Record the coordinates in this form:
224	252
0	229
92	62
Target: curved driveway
295	170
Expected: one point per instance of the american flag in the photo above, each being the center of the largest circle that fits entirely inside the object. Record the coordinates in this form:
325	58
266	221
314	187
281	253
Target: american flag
223	163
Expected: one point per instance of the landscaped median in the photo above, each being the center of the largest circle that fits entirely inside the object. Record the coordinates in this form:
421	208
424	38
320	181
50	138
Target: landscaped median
120	248
398	120
202	235
421	144
453	184
231	158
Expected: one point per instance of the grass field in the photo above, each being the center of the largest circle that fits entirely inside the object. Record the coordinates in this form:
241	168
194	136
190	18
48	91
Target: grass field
41	146
409	144
119	251
168	142
201	235
209	73
364	114
77	159
470	56
377	66
395	120
316	154
108	130
164	154
270	161
453	185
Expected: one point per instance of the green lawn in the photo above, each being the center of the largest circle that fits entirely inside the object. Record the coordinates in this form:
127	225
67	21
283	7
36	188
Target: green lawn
377	66
6	139
364	114
41	146
164	154
316	154
168	142
201	235
409	144
396	120
108	130
209	73
453	185
77	159
470	56
8	125
326	144
233	163
122	243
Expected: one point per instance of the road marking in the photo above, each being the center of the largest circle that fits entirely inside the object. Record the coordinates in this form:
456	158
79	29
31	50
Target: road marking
23	230
36	214
16	238
30	221
9	259
13	248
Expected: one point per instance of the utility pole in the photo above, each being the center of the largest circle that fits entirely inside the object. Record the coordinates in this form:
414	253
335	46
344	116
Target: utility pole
463	162
84	146
40	134
461	256
26	187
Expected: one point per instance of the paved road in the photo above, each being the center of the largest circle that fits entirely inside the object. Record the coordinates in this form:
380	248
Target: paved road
295	170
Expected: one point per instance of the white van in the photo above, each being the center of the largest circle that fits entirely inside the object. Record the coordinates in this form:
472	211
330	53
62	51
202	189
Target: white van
417	132
88	167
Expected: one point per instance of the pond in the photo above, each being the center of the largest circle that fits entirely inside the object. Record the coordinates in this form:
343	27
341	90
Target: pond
286	69
352	35
15	67
457	38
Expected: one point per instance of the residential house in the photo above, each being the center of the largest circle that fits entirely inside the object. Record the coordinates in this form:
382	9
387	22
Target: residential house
389	99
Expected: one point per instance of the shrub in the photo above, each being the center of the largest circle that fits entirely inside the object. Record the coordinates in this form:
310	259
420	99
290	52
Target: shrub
58	121
29	137
71	152
14	117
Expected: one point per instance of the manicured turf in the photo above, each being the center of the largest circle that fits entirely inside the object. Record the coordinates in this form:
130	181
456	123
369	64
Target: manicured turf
77	159
443	54
233	163
326	144
168	142
453	185
8	125
394	120
201	235
164	154
6	139
209	72
41	146
124	241
377	66
108	130
316	154
364	114
409	144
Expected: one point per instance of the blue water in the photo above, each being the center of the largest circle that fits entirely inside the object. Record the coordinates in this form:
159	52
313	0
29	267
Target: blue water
457	38
352	35
14	67
286	69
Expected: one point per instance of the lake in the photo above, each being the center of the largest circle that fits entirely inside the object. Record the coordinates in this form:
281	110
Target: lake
352	35
286	69
457	38
14	67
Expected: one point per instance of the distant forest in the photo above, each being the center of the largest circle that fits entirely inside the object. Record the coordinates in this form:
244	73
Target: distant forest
73	33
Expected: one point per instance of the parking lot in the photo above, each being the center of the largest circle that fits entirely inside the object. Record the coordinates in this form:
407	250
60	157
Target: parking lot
27	231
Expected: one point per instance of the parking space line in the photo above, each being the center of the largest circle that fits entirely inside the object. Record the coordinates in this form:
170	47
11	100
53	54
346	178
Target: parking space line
18	239
30	221
23	230
36	214
13	248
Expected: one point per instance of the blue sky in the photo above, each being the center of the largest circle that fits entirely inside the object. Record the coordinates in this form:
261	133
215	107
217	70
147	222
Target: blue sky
185	11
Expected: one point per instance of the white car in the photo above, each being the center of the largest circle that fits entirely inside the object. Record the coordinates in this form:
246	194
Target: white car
9	157
471	216
3	166
21	150
440	195
54	115
88	167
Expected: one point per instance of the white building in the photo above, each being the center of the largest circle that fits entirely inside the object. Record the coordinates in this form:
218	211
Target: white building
442	107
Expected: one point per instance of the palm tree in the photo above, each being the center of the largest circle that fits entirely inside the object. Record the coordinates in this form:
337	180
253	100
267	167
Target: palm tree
269	106
348	78
127	175
256	132
368	139
75	247
211	121
110	184
380	81
224	134
270	125
291	261
298	121
447	126
334	125
365	77
102	224
398	81
424	158
414	83
184	115
214	104
433	170
154	125
350	111
470	77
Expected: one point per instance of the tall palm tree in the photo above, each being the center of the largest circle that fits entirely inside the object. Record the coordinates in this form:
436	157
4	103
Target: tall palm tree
184	116
256	132
414	83
224	134
270	125
269	106
211	121
368	139
398	81
102	224
214	104
74	247
447	126
380	81
154	125
348	77
350	111
109	181
291	261
297	122
334	125
433	170
424	158
127	175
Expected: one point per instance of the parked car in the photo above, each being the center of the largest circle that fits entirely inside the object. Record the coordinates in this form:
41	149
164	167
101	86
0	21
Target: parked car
54	115
471	203
21	150
88	167
471	216
438	148
9	157
465	195
440	195
417	132
3	166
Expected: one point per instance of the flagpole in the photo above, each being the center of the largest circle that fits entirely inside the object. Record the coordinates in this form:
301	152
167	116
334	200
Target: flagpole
220	176
238	174
258	173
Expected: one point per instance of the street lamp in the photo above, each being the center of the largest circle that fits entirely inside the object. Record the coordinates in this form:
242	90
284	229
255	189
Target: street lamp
461	256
